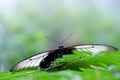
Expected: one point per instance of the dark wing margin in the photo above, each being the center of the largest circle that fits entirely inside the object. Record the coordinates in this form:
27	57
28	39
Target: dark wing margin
30	62
94	48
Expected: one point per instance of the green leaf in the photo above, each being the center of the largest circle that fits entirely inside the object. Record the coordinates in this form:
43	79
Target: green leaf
86	60
78	66
87	74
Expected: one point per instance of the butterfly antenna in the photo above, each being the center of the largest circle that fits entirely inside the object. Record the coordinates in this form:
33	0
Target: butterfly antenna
67	38
53	40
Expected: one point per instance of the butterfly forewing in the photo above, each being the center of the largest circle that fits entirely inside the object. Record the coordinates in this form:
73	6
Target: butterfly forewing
94	48
33	61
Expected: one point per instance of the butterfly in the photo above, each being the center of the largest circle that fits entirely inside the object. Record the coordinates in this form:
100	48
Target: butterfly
43	60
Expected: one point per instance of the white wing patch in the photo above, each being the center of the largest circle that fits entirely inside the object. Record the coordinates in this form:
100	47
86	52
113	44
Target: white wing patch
33	61
95	49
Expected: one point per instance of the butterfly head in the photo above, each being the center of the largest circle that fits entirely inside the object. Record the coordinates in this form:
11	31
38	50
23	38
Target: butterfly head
61	47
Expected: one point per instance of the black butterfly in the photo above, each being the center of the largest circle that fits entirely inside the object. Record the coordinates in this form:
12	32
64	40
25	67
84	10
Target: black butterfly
44	59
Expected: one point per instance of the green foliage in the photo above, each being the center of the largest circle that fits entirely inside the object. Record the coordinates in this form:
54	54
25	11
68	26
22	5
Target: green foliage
87	60
78	66
87	74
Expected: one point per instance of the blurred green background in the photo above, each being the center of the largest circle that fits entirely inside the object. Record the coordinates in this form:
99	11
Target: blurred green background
25	23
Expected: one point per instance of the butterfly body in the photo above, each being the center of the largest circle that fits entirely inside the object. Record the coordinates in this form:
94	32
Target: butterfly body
52	56
43	60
